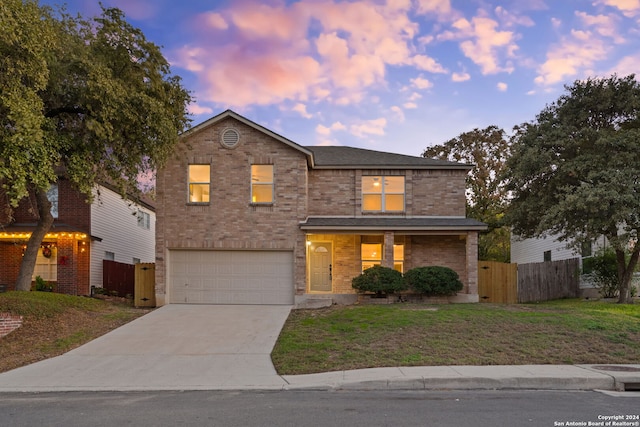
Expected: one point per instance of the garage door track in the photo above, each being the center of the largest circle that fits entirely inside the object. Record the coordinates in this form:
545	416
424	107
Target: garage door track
176	347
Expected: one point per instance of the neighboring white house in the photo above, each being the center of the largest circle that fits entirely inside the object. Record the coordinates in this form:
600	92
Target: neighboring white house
525	251
125	232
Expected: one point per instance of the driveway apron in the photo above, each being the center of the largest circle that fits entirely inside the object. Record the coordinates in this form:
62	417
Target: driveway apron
175	347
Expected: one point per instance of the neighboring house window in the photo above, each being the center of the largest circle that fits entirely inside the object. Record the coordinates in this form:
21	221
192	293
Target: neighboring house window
144	219
398	258
371	254
199	183
52	196
109	256
547	256
383	193
261	183
136	260
47	263
586	249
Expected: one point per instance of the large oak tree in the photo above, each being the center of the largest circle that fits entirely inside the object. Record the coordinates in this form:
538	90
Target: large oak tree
575	170
488	150
93	101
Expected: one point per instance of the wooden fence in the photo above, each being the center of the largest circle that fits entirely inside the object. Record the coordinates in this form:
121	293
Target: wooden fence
543	281
137	281
118	278
520	283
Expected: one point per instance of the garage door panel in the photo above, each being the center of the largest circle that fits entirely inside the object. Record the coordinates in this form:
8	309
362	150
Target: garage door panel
231	277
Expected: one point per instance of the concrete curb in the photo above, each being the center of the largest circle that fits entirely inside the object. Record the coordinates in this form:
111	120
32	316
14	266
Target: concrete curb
548	377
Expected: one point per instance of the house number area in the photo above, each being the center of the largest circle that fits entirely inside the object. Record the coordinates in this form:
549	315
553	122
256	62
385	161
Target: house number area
605	421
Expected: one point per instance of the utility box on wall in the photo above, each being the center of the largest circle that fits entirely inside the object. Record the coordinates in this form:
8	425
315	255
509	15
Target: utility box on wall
145	285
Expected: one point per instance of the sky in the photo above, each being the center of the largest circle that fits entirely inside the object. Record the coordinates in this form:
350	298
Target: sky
386	75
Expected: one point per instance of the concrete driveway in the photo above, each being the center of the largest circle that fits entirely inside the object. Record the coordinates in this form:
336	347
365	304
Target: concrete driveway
176	347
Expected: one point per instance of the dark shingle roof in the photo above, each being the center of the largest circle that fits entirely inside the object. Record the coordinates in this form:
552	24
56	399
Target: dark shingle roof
376	223
340	156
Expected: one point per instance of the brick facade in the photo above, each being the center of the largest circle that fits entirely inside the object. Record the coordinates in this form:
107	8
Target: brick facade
9	323
231	221
74	216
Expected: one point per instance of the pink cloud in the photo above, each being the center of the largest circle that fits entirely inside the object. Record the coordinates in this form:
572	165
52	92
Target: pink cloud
369	127
629	8
568	58
136	9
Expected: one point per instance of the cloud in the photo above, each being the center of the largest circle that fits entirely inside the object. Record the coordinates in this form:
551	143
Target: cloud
369	127
460	77
302	109
398	113
214	20
502	87
630	8
257	53
196	109
410	105
626	66
481	42
576	52
428	64
421	83
604	25
326	131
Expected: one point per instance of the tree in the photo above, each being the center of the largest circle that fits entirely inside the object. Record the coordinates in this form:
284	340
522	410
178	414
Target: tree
488	149
92	101
575	171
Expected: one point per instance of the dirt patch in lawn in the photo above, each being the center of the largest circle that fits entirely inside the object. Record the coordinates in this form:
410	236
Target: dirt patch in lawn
53	325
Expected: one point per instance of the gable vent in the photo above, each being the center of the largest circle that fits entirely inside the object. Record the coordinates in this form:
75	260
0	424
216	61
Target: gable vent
230	138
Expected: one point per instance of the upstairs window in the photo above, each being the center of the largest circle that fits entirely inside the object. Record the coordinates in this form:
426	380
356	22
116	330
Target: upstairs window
144	219
52	196
199	183
383	193
261	183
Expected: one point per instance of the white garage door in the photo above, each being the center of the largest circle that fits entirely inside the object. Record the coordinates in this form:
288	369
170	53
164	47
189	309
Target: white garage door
230	277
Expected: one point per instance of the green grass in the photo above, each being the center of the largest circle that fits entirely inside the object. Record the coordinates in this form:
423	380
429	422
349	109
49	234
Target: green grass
557	332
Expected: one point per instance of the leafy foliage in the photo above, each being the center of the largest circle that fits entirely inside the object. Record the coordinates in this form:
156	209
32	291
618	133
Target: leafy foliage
575	171
86	101
378	279
433	280
488	150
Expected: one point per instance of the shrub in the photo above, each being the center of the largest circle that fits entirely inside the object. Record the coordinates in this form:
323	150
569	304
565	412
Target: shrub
433	280
603	270
378	279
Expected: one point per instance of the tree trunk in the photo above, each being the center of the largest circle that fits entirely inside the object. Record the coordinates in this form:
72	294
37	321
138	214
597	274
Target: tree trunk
625	274
45	219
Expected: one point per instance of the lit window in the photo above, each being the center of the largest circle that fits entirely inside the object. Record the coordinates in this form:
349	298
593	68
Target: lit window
398	258
199	183
371	254
261	183
383	193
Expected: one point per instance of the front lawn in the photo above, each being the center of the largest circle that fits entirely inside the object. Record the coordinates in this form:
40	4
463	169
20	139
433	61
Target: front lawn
367	336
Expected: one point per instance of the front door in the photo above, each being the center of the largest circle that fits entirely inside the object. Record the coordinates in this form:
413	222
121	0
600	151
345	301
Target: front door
320	267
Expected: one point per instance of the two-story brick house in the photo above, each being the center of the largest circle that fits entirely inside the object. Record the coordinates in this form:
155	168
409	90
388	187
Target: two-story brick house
246	216
82	236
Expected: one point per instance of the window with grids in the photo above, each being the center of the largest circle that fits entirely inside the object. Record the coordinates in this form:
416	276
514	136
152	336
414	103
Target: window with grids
383	193
199	183
261	183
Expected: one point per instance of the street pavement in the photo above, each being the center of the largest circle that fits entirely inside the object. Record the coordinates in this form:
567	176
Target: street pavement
187	347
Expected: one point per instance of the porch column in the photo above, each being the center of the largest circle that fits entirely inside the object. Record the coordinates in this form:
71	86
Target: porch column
472	263
389	240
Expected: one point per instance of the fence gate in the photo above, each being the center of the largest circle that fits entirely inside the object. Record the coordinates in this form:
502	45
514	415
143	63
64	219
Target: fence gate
497	282
145	279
